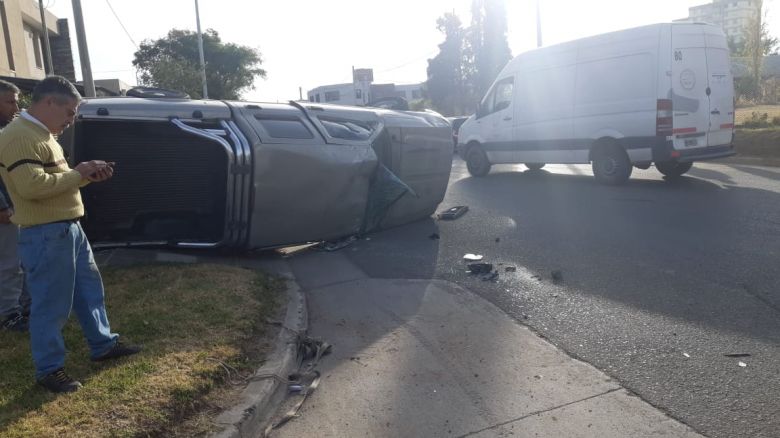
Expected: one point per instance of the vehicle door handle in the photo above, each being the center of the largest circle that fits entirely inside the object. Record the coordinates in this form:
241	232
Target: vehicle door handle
715	112
506	119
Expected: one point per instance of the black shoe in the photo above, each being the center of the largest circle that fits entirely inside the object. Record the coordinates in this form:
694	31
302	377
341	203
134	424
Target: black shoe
16	323
118	350
59	382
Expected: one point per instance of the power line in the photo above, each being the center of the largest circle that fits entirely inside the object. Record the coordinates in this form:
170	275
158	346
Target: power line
121	24
409	62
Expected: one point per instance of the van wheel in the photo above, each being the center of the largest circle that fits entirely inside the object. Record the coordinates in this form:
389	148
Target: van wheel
673	169
477	161
534	166
611	164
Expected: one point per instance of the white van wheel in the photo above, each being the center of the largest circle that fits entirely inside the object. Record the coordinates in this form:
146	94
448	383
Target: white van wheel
673	169
534	166
611	164
477	161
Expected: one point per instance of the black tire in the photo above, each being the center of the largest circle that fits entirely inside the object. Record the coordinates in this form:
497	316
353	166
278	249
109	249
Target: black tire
673	169
611	164
477	161
534	166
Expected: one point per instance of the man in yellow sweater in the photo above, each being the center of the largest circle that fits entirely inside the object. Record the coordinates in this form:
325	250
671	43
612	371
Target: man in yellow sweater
59	266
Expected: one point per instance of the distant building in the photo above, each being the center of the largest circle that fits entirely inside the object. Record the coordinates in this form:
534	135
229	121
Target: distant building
22	50
362	91
734	16
116	86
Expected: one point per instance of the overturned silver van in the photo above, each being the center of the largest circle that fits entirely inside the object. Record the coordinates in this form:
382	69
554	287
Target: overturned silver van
205	174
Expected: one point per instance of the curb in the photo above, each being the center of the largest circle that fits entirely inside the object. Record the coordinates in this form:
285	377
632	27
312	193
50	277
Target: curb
261	397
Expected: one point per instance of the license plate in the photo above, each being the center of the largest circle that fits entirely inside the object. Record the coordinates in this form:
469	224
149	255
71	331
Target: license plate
691	142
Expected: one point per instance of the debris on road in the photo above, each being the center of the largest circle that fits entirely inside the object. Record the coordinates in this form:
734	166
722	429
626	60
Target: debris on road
686	355
472	257
336	245
453	213
557	276
434	236
480	268
493	276
742	364
510	269
737	355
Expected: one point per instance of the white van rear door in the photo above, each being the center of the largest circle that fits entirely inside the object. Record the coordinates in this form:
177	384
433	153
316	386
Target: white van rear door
721	96
690	103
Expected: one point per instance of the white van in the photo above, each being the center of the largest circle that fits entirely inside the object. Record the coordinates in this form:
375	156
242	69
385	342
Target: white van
659	94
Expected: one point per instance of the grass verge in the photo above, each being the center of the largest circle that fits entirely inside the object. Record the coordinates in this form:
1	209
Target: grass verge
199	326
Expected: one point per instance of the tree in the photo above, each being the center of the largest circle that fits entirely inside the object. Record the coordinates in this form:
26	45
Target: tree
173	62
756	44
488	49
445	85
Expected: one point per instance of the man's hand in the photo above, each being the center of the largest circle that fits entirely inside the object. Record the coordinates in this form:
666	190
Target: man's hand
95	170
5	216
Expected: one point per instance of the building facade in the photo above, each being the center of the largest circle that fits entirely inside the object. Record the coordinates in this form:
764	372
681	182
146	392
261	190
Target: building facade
734	16
22	49
362	91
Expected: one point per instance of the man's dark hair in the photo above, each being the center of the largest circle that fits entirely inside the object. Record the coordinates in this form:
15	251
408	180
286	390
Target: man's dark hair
56	86
7	87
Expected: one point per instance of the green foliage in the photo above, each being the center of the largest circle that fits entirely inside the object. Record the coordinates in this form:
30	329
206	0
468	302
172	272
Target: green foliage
173	62
488	48
469	59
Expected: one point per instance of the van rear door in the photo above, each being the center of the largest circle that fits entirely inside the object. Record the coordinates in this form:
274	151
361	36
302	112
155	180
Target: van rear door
690	102
721	84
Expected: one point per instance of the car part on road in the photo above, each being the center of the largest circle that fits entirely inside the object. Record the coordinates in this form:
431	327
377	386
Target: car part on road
477	161
673	169
453	213
534	166
472	257
480	268
737	355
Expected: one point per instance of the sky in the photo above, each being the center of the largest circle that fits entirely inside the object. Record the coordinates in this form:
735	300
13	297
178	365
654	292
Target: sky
311	43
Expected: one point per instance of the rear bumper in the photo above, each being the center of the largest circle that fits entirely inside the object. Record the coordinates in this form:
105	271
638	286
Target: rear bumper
663	151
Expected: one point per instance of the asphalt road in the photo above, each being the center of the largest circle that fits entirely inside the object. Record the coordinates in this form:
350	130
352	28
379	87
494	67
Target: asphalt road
660	280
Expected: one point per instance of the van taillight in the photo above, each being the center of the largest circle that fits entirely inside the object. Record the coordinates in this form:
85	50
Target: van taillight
664	118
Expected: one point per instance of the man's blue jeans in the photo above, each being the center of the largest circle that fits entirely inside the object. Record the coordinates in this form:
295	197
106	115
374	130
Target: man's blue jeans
62	275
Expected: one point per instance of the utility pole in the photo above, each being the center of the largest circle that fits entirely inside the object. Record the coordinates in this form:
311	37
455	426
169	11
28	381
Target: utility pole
200	49
48	65
538	26
300	93
81	38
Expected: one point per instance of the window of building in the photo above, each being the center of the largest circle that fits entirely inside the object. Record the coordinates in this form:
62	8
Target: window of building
285	127
33	43
7	37
317	97
331	96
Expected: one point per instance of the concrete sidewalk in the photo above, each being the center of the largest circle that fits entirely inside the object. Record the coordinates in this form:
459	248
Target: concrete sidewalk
426	358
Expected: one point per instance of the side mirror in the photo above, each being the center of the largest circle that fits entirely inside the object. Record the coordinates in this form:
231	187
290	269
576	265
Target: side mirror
480	112
502	105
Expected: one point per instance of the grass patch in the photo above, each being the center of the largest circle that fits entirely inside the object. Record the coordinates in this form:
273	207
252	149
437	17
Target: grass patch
195	322
758	142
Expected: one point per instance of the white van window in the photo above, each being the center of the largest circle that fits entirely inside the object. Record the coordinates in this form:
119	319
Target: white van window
500	97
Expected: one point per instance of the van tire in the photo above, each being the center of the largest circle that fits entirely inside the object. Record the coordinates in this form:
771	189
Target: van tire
534	166
477	161
611	164
673	169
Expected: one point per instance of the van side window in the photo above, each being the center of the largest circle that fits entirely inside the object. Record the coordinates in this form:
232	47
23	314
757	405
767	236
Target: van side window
500	97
